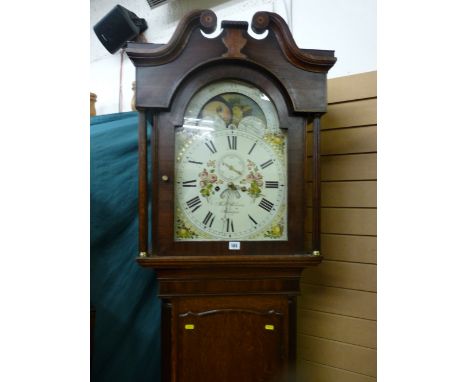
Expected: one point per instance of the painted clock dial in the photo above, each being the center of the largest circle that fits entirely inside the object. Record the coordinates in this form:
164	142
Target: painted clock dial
230	167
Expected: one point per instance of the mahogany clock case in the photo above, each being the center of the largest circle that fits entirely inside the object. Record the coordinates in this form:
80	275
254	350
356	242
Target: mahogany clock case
169	75
227	315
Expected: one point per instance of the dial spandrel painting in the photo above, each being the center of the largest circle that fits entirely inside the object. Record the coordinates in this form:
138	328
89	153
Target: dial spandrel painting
231	167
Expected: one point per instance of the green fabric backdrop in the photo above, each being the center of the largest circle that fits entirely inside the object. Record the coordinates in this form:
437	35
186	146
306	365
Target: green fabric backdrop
127	330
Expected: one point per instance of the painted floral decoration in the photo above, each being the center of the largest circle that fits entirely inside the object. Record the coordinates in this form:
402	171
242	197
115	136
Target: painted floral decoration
275	231
255	180
277	140
208	178
184	232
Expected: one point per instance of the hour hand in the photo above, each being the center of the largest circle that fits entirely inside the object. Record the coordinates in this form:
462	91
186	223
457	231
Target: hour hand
230	167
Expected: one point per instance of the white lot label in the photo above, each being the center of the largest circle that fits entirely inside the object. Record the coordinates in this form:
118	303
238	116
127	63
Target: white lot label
234	245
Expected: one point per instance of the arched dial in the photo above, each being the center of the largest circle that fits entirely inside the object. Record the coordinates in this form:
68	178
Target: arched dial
231	179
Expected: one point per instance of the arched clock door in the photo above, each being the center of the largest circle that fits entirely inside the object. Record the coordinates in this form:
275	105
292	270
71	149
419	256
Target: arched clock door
235	170
225	177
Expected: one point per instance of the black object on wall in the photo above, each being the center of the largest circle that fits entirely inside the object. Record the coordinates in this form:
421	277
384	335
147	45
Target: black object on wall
154	3
117	27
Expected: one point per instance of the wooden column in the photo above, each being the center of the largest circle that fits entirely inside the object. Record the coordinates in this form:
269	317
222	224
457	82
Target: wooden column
142	184
316	183
154	181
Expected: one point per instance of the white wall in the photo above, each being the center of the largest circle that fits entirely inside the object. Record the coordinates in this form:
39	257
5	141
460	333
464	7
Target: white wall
348	27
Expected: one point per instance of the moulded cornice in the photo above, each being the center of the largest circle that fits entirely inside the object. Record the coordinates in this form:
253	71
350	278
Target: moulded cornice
145	55
273	22
206	20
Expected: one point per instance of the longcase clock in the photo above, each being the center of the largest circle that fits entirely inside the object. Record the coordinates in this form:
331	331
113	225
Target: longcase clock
222	180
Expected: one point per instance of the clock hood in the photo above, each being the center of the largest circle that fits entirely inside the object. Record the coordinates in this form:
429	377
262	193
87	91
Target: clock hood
161	68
